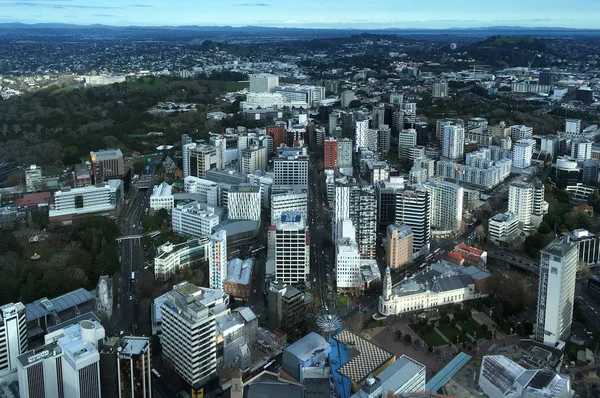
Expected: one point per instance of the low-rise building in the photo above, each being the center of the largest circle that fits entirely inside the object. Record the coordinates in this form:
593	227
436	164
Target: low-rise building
162	197
195	219
403	377
244	202
238	283
170	258
503	227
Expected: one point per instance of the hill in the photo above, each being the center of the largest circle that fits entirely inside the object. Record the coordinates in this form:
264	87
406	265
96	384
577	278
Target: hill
508	51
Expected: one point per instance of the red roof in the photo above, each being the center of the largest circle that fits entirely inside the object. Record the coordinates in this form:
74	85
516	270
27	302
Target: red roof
34	199
455	255
470	249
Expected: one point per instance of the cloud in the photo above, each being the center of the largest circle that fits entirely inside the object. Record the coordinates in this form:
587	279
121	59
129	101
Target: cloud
140	5
104	15
52	4
252	5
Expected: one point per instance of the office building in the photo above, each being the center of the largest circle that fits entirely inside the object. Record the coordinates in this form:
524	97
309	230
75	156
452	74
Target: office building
289	248
556	291
500	377
171	258
446	205
439	90
346	98
546	78
384	139
549	145
13	335
293	200
134	367
40	372
503	227
399	245
244	202
385	193
347	262
332	126
206	188
453	142
73	205
265	182
344	152
585	95
189	333
79	343
522	153
254	158
291	170
285	306
407	141
589	173
331	153
413	208
436	285
311	95
573	126
195	219
263	83
217	255
277	133
33	178
107	164
361	134
201	159
565	172
520	132
162	197
581	149
588	245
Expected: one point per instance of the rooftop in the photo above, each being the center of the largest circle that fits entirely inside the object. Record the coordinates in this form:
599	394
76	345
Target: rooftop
239	271
308	346
34	199
559	247
244	188
162	190
106	154
133	345
42	307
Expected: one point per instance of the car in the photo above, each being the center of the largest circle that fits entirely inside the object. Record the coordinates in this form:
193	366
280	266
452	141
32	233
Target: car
131	298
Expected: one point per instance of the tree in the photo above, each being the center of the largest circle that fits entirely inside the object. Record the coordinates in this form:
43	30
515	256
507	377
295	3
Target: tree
407	338
355	104
430	348
398	335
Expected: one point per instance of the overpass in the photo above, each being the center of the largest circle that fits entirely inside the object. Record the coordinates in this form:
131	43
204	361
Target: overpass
523	263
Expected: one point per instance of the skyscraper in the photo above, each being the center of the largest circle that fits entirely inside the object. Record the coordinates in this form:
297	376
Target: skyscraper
331	153
291	171
453	142
13	335
446	205
289	248
362	134
413	208
217	252
556	291
344	152
407	141
440	90
333	118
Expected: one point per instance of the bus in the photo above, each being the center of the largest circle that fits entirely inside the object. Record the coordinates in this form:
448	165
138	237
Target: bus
422	265
268	364
437	251
155	372
132	276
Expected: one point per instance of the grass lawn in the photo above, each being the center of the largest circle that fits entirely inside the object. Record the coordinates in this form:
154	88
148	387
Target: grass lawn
471	326
343	300
449	331
46	252
235	86
432	338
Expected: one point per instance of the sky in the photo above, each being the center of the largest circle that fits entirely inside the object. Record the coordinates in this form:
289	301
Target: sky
357	14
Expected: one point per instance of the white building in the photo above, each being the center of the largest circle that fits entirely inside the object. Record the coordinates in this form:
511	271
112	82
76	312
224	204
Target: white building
522	153
446	205
344	152
295	200
185	154
195	219
265	100
13	335
189	333
453	142
162	197
254	158
479	169
503	227
208	188
347	260
265	182
33	178
573	126
556	291
302	93
73	203
437	285
427	164
413	208
171	258
291	171
549	144
289	249
217	255
520	132
407	141
80	361
500	377
520	203
440	90
244	202
263	83
361	134
581	149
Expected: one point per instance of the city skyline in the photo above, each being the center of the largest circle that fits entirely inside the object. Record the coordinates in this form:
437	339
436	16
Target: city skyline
352	14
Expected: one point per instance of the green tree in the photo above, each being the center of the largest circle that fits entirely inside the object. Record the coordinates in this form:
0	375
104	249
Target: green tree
407	338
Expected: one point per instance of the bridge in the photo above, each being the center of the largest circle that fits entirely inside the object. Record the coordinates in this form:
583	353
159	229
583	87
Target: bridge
523	263
120	238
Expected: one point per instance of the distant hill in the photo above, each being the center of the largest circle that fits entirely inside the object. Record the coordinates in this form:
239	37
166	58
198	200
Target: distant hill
508	51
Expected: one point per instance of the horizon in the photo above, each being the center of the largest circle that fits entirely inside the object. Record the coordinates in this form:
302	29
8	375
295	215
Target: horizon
313	14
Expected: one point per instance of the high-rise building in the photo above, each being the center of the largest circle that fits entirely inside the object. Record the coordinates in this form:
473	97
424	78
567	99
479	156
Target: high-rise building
13	335
573	126
185	155
171	258
195	219
446	205
289	248
207	188
344	152
347	260
565	172
440	123
386	193
346	98
331	153
201	159
333	119
362	134
254	158
546	78
107	164
478	122
286	307
384	139
540	206
413	208
278	135
522	153
302	93
439	90
291	171
244	202
263	83
217	254
399	245
407	141
585	95
520	203
40	372
520	132
125	367
581	149
556	291
294	200
453	142
189	334
33	178
396	99
589	171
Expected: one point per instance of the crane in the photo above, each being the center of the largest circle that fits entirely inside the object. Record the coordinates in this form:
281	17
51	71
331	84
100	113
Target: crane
538	55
